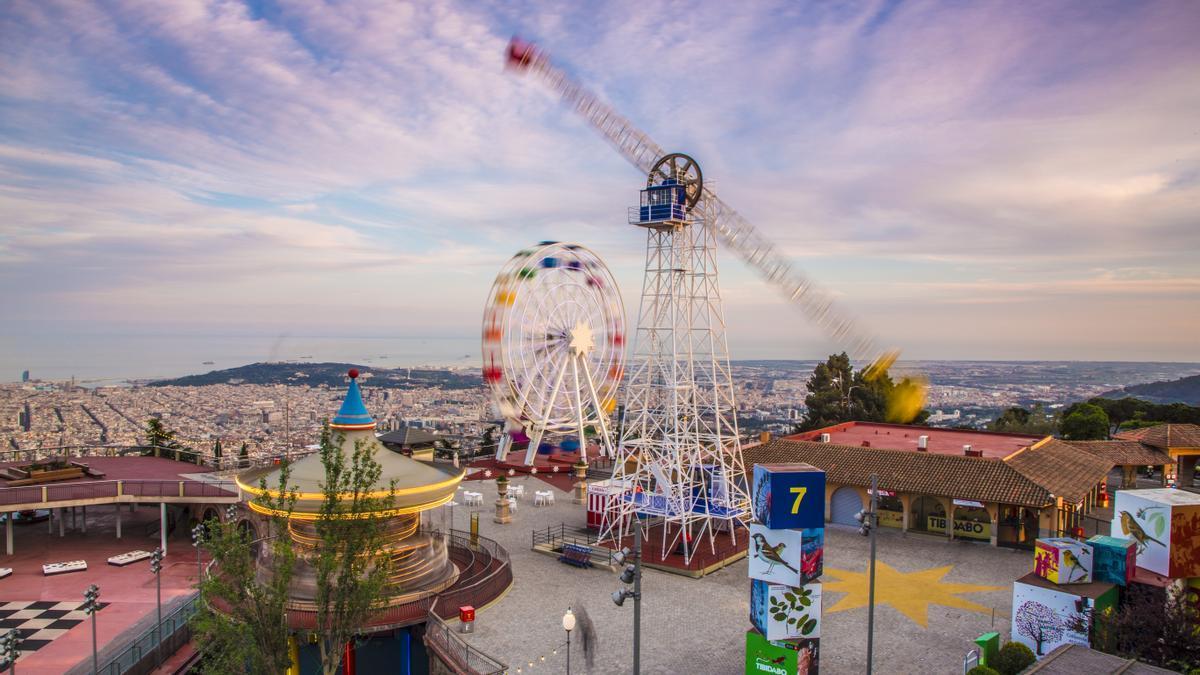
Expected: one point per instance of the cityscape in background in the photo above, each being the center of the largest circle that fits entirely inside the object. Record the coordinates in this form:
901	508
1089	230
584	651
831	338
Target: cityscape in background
276	406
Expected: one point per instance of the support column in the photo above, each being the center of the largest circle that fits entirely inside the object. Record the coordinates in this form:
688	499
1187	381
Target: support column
8	533
994	513
74	526
83	517
906	511
62	520
950	520
50	522
162	526
581	468
118	521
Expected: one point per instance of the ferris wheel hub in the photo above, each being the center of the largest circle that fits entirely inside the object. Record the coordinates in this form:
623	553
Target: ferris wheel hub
582	341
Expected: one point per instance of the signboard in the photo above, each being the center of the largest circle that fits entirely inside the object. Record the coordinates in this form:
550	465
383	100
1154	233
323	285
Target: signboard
789	496
792	557
882	493
891	519
968	502
794	657
764	657
967	529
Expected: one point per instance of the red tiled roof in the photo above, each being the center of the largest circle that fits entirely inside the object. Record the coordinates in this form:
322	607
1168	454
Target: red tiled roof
955	476
1063	469
1124	452
1163	436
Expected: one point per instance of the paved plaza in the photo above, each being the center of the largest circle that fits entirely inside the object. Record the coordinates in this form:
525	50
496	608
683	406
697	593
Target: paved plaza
932	598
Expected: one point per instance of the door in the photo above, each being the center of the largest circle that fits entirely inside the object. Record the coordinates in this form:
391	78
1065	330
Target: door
845	503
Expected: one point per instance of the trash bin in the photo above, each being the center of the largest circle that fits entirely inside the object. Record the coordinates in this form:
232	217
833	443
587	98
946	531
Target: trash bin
466	615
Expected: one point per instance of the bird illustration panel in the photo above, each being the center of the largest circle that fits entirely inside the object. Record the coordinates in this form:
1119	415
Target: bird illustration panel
792	557
782	612
1165	526
1063	560
789	496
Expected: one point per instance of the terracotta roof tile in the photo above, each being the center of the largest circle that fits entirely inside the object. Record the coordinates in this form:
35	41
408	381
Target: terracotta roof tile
956	476
1063	469
1124	452
1163	436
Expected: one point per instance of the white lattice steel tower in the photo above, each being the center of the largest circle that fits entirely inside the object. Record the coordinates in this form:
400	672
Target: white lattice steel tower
678	457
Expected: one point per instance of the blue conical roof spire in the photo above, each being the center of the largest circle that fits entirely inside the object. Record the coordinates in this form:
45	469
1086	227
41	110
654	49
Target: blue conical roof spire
353	413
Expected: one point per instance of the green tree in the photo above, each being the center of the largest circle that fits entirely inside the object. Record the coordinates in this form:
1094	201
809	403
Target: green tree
241	625
217	452
159	436
837	393
488	444
244	456
350	578
1017	420
1153	626
1086	423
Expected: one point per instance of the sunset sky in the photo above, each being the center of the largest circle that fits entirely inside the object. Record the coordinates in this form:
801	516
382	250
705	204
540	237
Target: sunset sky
974	180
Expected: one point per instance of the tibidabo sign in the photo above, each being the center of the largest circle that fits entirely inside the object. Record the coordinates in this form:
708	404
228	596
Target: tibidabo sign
962	528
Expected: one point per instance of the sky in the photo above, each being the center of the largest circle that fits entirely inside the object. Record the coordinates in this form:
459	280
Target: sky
971	180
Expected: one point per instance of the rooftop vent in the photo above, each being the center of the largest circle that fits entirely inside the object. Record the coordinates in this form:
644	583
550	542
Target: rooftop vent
824	438
922	442
971	453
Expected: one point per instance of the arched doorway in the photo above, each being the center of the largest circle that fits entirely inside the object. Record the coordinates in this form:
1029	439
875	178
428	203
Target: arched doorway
843	505
928	515
891	511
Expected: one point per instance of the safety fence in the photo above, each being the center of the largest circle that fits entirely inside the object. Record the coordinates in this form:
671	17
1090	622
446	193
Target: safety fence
114	489
456	652
150	646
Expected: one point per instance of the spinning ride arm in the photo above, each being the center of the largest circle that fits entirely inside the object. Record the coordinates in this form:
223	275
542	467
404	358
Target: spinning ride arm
734	231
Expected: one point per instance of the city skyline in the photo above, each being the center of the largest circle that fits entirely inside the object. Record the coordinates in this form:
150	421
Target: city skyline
981	181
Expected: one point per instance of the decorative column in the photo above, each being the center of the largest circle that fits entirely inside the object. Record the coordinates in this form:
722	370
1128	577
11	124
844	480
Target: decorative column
503	513
580	468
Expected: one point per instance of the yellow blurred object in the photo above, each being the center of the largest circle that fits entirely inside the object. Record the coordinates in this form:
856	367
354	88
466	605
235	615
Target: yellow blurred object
293	646
609	406
907	400
881	365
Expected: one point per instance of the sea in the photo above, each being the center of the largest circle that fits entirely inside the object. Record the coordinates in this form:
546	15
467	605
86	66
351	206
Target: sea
102	360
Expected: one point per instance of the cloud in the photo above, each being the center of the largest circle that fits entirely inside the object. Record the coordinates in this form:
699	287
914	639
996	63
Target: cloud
242	152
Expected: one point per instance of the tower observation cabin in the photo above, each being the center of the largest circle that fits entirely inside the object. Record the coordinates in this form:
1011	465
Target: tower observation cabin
662	205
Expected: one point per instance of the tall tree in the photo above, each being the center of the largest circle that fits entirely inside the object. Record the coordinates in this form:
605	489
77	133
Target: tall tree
1086	423
350	578
241	626
244	456
838	393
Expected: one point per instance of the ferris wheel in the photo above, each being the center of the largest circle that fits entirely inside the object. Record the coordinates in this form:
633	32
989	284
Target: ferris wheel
553	347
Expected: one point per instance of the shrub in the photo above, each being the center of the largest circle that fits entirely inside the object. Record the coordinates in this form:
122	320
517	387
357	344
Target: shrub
1013	658
983	670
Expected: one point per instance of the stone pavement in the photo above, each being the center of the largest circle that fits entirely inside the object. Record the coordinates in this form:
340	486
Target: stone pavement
699	625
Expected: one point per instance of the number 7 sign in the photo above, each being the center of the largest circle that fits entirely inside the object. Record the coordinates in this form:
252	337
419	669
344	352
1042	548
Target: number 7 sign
788	496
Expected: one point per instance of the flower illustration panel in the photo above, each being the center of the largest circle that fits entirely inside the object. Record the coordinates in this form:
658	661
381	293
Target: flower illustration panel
792	557
782	612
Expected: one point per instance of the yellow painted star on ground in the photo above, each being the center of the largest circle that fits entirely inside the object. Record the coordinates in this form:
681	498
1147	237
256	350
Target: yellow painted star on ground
910	593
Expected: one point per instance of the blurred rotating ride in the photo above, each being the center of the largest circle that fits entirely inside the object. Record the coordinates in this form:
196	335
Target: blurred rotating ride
553	348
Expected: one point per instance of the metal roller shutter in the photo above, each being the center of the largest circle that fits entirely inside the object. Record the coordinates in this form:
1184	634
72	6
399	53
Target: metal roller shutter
844	504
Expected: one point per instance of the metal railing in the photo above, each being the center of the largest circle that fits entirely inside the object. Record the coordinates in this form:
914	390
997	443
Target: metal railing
140	655
200	458
113	489
451	647
557	537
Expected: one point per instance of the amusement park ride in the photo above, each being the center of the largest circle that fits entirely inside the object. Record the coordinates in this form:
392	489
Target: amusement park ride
678	458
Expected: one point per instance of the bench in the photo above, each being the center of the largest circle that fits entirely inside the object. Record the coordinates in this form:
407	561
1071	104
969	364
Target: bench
129	558
64	567
574	554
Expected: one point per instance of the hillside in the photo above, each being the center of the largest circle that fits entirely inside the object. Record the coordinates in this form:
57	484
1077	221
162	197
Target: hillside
1184	390
330	375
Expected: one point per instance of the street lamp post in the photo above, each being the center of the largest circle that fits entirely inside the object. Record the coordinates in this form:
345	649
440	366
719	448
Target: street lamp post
10	648
568	624
156	567
632	574
91	605
870	522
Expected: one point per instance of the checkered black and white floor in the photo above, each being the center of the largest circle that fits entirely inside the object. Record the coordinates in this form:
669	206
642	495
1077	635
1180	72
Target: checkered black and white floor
40	622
